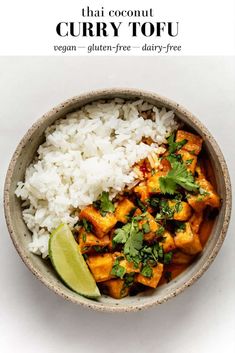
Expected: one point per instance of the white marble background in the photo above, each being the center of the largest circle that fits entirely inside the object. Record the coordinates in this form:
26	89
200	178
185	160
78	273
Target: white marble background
32	318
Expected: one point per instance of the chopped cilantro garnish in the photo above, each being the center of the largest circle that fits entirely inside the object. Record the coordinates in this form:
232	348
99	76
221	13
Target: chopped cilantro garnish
177	176
160	231
84	237
87	225
98	248
175	146
129	279
178	207
167	257
180	226
189	161
154	201
147	271
132	237
104	204
117	270
146	227
141	205
166	212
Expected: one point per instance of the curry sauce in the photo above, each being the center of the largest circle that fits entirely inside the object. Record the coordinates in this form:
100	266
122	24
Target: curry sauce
151	233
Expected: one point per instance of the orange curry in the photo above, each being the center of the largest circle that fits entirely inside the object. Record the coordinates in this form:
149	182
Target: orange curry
150	233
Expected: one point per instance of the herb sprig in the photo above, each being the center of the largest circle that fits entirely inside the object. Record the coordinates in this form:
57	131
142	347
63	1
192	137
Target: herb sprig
177	176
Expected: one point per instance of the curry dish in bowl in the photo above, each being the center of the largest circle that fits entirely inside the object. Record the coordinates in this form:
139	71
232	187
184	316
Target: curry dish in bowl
118	199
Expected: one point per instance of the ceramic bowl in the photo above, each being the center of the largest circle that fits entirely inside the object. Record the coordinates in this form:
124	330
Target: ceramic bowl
21	236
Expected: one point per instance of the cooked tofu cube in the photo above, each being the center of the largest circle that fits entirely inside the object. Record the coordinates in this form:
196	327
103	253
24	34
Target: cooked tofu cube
168	243
88	240
207	196
123	209
196	220
101	266
189	160
102	225
153	281
194	142
187	241
153	183
149	226
142	191
179	258
116	288
129	266
182	210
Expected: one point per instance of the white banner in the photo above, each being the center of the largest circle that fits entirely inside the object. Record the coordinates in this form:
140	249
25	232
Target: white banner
111	28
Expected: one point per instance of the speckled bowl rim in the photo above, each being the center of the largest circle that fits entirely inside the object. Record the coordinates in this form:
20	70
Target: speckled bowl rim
95	95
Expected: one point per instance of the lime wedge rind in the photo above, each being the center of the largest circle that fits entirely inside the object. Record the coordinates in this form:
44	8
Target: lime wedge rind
69	263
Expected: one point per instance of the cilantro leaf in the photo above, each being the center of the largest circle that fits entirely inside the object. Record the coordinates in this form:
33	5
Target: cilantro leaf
104	204
175	146
132	237
141	205
129	279
189	161
177	176
146	227
134	242
147	271
87	225
121	234
118	270
167	257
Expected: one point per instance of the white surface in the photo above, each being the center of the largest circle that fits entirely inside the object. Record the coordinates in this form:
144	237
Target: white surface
32	318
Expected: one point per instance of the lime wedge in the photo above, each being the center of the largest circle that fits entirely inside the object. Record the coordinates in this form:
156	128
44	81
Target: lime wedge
69	263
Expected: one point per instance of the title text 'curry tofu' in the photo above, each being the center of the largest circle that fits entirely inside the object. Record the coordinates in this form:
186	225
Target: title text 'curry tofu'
102	224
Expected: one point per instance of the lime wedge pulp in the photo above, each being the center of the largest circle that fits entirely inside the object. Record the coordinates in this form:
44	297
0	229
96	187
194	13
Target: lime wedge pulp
69	263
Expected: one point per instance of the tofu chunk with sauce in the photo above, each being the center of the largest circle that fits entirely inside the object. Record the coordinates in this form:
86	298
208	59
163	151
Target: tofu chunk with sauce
101	266
153	281
207	195
182	210
102	224
180	258
194	142
187	241
149	223
89	240
168	243
189	160
153	183
116	288
123	209
196	220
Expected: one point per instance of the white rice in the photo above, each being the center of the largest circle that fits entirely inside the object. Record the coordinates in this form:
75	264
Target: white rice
90	151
